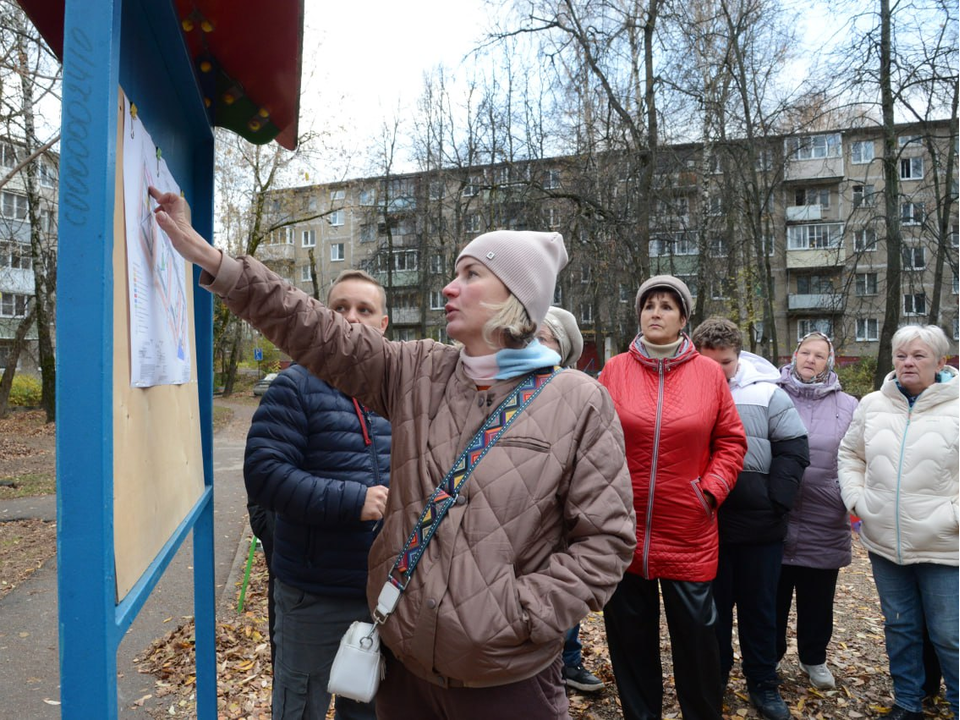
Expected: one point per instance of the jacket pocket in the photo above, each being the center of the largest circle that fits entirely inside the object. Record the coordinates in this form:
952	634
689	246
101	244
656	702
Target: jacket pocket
701	498
524	442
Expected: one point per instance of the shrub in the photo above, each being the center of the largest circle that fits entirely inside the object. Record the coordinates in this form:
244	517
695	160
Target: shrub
857	378
25	392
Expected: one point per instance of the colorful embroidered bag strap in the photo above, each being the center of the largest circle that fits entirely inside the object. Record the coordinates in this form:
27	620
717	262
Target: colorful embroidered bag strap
445	495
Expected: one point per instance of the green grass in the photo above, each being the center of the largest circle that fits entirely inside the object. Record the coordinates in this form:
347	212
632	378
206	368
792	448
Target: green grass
29	485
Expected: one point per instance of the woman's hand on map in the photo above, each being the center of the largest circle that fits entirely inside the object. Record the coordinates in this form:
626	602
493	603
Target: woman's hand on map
173	216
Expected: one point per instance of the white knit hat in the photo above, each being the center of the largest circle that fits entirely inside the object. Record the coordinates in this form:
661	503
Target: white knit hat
527	262
564	327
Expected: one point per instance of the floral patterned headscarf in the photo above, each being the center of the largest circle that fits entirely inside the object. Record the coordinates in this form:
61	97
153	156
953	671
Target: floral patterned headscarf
815	335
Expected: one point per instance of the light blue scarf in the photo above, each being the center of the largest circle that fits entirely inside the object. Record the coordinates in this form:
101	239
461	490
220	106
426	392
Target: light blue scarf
508	363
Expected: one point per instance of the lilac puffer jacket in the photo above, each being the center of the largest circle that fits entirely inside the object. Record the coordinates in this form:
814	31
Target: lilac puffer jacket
818	526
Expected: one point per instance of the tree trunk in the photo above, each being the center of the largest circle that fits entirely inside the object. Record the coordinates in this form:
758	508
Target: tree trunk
6	380
44	266
891	197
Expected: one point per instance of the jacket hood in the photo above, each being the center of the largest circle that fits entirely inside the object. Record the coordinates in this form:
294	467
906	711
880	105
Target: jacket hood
794	387
754	369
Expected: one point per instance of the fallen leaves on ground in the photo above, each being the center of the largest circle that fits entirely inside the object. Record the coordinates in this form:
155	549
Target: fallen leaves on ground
25	545
857	658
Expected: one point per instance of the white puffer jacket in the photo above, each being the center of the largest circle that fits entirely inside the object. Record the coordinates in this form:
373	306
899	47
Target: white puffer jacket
898	472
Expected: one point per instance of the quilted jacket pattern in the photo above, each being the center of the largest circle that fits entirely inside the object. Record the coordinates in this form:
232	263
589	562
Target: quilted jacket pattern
683	437
545	526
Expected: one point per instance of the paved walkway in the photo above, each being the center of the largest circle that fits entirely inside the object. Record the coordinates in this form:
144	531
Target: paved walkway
29	664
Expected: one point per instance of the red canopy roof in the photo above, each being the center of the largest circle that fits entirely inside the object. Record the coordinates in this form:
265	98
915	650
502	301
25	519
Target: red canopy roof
246	53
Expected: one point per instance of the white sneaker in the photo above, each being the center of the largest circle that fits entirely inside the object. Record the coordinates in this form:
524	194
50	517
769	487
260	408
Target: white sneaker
820	676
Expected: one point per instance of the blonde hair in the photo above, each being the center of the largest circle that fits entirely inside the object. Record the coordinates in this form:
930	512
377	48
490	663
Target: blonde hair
510	324
930	335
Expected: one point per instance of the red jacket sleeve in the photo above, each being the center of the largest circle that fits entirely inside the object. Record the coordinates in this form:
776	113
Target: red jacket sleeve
728	446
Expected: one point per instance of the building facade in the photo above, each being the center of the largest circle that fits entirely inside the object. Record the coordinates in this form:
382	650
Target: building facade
784	235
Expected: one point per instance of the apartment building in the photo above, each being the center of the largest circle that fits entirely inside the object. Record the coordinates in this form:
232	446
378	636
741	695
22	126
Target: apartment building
785	235
16	260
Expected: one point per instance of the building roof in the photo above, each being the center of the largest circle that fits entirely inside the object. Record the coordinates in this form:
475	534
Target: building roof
246	55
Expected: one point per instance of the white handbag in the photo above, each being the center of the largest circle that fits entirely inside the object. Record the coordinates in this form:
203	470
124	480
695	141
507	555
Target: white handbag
358	666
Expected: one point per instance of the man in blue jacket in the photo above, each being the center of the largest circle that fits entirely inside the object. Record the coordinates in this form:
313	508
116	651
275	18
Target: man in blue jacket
752	521
319	461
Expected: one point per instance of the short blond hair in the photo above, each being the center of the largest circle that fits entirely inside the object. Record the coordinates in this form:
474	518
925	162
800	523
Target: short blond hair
363	277
510	324
932	336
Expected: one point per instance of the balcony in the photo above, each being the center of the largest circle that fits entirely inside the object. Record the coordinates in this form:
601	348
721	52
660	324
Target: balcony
276	252
401	278
827	168
405	316
804	213
815	302
817	257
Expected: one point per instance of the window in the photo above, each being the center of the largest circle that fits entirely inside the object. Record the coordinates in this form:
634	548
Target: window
552	180
861	152
308	238
553	217
436	264
714	164
715	206
814	147
14	206
811	237
13	305
283	236
586	274
586	313
914	304
904	140
911	168
405	260
336	218
305	274
625	293
368	197
15	255
8	155
808	325
437	301
368	233
956	284
472	187
718	247
48	221
435	191
955	236
863	196
911	213
913	258
718	290
471	223
866	284
768	243
336	252
337	195
814	284
865	240
691	282
46	175
675	244
813	196
868	329
764	160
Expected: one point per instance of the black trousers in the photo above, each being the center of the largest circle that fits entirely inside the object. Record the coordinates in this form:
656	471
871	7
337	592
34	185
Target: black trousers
815	588
632	620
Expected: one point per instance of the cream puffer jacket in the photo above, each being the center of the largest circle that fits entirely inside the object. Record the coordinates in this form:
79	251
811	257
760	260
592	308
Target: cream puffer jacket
546	527
898	472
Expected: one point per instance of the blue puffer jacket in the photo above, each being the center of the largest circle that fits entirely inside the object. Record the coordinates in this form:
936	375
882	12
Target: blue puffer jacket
311	454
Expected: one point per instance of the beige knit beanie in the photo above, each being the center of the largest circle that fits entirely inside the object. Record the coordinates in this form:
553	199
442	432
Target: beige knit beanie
564	327
527	262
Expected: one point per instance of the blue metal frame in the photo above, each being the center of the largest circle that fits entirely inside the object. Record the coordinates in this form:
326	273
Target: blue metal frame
136	44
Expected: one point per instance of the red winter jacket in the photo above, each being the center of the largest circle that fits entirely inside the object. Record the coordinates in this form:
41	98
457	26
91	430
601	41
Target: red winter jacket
683	437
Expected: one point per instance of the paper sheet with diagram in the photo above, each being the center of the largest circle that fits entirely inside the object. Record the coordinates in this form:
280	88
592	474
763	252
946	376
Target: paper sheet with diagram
159	337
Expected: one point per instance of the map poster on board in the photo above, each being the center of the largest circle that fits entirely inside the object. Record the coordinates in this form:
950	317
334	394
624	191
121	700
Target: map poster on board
159	328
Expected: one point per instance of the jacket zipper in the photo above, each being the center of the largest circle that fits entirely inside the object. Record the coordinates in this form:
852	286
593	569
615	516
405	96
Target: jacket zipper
903	444
647	532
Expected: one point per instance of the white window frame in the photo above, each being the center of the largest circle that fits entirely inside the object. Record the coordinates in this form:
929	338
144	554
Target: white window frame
866	284
339	194
814	147
13	202
586	274
405	260
553	217
909	256
305	274
915	303
308	238
337	218
911	168
868	329
806	326
813	196
338	252
471	223
865	240
586	313
864	196
436	264
816	285
367	197
14	305
861	152
912	213
904	140
15	255
437	300
814	236
552	180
